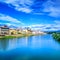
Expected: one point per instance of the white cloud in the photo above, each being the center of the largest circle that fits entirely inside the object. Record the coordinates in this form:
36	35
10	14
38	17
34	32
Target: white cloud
40	13
27	10
11	24
9	19
53	7
21	5
8	24
46	27
37	25
57	21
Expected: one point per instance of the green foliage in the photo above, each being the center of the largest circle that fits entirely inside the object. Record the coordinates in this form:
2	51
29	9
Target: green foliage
56	36
16	36
5	37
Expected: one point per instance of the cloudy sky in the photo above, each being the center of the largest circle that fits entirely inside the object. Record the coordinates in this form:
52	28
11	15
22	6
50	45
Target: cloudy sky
37	14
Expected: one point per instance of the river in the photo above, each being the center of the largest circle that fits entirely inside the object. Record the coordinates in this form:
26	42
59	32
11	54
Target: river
42	47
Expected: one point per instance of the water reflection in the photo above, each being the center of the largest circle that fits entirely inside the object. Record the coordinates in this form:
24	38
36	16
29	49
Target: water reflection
33	42
4	44
30	48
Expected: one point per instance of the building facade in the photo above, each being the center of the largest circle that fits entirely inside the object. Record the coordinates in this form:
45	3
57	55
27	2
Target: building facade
4	30
13	32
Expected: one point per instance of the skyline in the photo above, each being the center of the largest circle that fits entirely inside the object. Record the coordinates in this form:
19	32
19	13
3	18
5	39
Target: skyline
38	14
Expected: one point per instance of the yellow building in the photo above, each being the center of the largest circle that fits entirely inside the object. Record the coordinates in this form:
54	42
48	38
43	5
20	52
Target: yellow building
13	31
27	32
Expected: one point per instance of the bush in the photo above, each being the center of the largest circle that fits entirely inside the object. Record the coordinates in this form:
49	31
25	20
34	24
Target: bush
56	36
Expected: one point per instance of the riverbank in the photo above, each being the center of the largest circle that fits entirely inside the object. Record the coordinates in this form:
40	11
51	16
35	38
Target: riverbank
14	36
18	36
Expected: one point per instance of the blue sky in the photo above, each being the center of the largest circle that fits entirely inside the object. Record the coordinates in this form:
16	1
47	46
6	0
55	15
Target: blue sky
37	14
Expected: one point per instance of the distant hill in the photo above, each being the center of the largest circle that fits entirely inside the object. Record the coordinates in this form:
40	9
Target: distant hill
50	32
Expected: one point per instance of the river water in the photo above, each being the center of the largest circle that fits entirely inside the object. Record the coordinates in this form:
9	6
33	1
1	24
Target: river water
42	47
